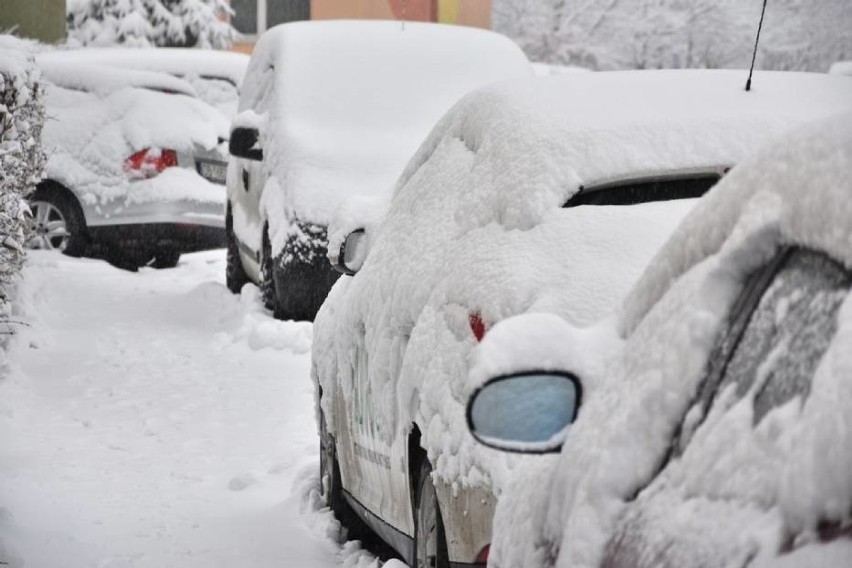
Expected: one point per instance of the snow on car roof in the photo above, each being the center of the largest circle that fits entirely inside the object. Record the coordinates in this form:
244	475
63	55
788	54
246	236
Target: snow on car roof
550	136
810	174
354	99
226	65
102	80
89	136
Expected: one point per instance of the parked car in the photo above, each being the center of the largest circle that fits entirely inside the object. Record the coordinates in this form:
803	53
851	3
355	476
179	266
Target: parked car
333	110
135	170
718	429
546	194
214	75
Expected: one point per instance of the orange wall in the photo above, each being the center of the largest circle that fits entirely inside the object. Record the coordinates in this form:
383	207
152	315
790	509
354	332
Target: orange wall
463	12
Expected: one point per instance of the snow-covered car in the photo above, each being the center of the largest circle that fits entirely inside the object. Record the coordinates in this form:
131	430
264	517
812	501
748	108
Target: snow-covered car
331	110
715	430
841	68
135	170
214	75
546	194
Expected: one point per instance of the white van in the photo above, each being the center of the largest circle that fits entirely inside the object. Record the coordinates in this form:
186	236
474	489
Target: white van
331	110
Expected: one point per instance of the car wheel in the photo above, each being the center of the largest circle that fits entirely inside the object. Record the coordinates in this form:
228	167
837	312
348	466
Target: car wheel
267	274
235	274
57	221
167	258
430	541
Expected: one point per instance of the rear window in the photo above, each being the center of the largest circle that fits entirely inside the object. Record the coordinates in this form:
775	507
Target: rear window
644	191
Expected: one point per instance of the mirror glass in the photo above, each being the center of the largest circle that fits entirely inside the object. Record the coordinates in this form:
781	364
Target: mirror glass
354	251
243	144
528	413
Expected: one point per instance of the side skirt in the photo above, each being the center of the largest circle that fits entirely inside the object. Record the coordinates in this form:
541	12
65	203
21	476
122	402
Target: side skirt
400	541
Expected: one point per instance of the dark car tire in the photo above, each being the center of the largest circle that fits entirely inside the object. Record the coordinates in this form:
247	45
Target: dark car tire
235	274
267	275
167	258
430	539
301	288
330	480
67	206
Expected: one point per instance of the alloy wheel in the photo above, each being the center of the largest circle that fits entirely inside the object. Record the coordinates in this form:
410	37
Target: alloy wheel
49	227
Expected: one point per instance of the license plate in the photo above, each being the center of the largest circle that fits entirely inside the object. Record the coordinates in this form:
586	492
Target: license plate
217	172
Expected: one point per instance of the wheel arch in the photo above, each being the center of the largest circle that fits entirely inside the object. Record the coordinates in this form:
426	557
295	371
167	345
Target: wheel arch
49	185
416	455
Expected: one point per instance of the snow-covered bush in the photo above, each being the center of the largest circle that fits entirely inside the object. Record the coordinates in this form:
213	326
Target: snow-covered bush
806	35
151	23
21	156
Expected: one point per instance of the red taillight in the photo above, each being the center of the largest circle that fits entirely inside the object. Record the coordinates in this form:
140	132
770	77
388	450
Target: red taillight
149	162
477	326
482	557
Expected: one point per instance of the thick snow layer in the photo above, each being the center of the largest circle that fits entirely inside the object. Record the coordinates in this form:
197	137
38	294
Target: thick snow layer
214	76
738	490
475	226
547	137
88	137
180	62
348	102
155	419
103	80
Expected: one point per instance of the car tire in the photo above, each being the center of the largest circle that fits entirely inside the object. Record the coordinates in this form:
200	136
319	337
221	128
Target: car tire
267	275
430	540
56	211
167	258
235	274
330	480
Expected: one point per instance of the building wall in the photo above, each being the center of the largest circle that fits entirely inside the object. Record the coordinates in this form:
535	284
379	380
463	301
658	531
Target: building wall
43	20
463	12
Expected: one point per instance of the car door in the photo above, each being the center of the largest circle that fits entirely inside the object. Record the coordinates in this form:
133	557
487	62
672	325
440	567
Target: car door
777	333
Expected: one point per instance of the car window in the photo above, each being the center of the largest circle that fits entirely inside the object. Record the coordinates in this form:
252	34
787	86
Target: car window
644	191
789	332
778	331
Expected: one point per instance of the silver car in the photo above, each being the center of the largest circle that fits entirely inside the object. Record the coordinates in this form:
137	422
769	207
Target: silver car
136	166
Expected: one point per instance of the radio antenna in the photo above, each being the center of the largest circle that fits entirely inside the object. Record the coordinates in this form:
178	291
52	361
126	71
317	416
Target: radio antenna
756	40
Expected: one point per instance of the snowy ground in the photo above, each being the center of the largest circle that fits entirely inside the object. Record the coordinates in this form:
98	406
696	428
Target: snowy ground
156	420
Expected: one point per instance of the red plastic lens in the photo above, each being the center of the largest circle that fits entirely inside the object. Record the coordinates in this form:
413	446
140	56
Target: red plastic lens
149	162
482	557
477	326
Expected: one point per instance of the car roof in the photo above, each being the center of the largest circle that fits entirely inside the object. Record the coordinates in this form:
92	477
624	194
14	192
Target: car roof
225	65
808	177
557	134
103	79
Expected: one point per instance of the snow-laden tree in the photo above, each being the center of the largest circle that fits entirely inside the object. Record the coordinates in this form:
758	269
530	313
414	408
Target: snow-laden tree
21	157
147	23
643	34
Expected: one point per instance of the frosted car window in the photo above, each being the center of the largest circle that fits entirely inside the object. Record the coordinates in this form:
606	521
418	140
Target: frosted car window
644	191
789	331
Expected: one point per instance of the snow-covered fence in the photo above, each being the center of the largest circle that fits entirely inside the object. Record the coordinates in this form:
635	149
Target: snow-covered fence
21	157
151	23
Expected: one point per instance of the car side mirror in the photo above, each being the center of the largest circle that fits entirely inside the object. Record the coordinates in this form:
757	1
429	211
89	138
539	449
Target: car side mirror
526	413
244	144
352	254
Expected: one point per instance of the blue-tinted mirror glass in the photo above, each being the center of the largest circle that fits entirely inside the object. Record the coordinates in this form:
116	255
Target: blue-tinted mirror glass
525	412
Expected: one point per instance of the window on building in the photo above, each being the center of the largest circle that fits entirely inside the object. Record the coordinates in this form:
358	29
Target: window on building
253	17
